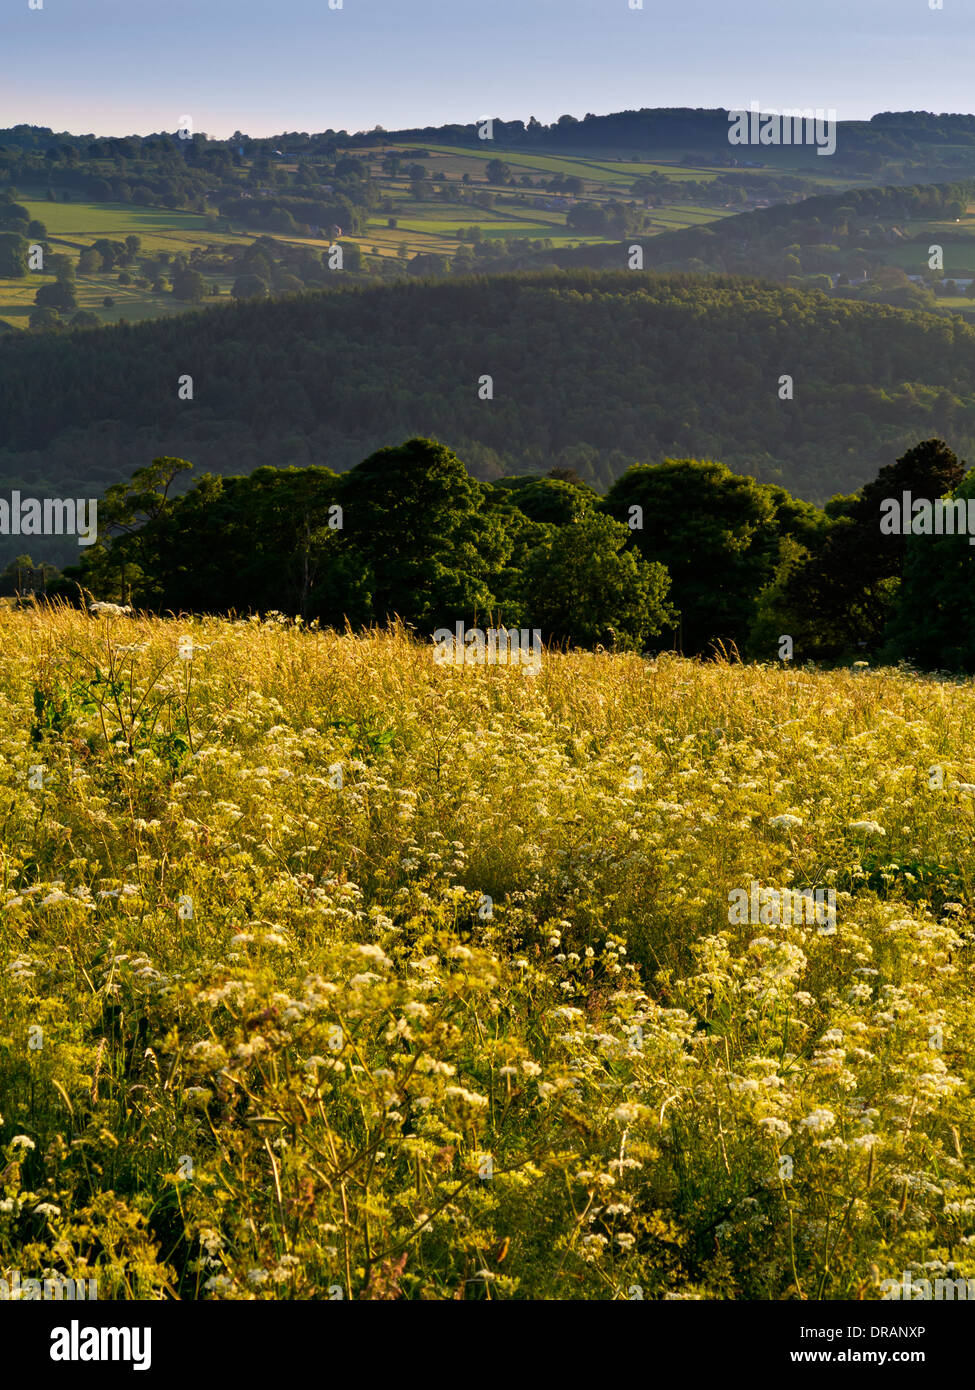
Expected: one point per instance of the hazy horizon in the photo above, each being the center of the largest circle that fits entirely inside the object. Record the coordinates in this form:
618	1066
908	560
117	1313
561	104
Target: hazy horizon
358	130
82	64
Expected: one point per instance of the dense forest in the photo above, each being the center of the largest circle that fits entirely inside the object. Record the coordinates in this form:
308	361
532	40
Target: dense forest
685	553
521	373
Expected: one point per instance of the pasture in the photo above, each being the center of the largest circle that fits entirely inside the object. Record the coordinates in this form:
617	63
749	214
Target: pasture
73	226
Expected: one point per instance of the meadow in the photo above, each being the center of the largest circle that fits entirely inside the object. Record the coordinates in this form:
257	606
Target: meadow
73	226
330	972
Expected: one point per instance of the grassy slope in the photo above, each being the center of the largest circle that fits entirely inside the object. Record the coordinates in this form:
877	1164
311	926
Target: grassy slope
72	226
303	1025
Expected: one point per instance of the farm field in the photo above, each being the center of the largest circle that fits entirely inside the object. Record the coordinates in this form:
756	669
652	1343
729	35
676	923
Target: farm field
436	220
73	226
959	256
461	159
421	227
424	223
131	303
159	228
611	168
329	971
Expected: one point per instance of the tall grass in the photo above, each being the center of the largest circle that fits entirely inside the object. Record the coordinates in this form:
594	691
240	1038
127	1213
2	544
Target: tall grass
327	971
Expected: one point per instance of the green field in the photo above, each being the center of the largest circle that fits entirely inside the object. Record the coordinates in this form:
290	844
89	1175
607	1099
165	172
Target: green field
84	222
429	226
73	226
456	159
429	223
608	169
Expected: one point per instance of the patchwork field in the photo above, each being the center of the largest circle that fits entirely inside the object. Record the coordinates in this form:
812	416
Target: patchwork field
327	971
423	224
608	170
73	226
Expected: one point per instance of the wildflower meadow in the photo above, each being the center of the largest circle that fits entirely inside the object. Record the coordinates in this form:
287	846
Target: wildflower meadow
331	971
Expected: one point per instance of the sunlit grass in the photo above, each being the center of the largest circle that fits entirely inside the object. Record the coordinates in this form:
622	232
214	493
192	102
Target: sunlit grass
326	970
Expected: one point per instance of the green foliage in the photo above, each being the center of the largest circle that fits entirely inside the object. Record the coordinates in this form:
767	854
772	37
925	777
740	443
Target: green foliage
608	219
13	256
367	743
44	316
841	601
154	724
415	521
498	171
189	285
578	583
13	217
933	622
730	563
60	296
719	536
22	577
249	286
649	367
549	499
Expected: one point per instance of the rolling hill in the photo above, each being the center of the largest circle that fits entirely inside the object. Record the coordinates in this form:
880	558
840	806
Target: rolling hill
591	370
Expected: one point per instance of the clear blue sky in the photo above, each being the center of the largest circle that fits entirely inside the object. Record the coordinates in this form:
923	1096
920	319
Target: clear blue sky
266	66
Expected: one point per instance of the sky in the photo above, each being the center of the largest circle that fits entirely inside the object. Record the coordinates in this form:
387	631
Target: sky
114	67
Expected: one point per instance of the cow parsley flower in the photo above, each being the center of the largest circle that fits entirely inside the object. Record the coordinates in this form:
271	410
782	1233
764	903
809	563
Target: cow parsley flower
819	1121
867	827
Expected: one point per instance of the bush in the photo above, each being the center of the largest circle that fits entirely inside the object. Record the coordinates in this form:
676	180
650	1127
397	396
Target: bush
249	286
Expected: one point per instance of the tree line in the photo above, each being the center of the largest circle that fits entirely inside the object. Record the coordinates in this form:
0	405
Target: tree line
833	232
587	370
683	554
